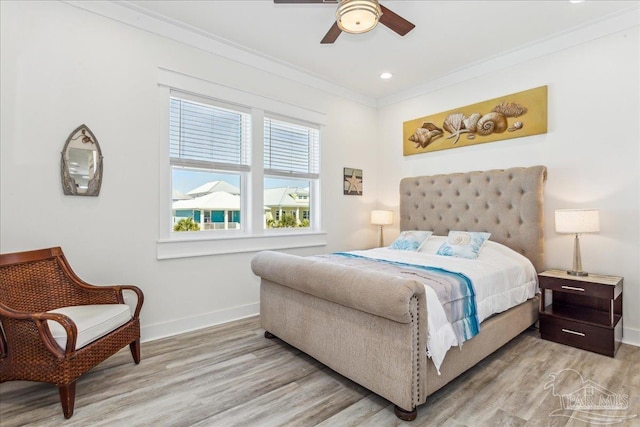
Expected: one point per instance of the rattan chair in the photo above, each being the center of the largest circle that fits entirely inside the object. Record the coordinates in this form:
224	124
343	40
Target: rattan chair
35	282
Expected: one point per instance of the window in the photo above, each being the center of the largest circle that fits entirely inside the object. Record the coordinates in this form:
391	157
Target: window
292	151
209	153
215	179
207	198
286	203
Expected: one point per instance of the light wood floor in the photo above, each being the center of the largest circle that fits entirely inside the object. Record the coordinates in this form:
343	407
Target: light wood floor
230	375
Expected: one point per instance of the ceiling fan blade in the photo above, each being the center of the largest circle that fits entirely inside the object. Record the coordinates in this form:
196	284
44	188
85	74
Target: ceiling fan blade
332	34
303	1
395	22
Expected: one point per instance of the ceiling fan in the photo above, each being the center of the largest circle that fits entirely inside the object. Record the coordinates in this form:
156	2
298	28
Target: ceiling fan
358	16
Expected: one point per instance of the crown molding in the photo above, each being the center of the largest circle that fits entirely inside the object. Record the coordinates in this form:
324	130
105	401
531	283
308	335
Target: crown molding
611	24
129	14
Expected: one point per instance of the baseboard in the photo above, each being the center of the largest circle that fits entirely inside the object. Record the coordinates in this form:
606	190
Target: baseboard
631	336
188	324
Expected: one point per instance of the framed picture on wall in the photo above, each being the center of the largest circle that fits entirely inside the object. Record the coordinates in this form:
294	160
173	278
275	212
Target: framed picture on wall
352	182
510	116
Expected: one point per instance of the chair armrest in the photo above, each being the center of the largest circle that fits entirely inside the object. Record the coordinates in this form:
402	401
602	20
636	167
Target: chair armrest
97	294
138	293
44	333
109	294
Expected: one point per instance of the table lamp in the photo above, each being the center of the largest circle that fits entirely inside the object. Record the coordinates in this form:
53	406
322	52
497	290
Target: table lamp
577	221
381	218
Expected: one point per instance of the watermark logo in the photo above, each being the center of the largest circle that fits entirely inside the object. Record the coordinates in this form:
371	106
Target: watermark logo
585	400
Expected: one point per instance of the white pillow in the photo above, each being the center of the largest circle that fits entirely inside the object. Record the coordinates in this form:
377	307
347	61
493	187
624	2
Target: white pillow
463	244
411	240
432	245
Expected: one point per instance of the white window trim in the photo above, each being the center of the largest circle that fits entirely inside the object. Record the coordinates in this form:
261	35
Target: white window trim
254	237
230	245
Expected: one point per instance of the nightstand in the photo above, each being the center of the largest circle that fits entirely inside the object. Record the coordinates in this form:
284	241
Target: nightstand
586	311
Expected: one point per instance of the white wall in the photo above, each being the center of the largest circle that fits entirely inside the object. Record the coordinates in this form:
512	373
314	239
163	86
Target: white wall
591	149
63	66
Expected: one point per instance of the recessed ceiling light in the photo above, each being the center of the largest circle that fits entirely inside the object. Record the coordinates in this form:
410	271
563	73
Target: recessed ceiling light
386	76
575	1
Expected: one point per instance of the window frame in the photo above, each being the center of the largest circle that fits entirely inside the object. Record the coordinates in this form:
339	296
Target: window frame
242	168
253	236
312	177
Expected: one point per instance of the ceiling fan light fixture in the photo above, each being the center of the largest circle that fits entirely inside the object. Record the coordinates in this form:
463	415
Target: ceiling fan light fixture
358	16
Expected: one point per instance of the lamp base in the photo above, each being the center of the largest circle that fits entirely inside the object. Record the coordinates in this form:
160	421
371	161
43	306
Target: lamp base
577	260
577	273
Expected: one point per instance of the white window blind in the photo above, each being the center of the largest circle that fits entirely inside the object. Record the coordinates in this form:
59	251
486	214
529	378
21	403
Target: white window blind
291	149
204	135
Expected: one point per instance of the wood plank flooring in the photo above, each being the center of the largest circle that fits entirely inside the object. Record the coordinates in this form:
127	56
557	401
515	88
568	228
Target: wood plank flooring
230	375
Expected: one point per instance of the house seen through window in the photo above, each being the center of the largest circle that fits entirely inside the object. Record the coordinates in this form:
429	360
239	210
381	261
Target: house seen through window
210	152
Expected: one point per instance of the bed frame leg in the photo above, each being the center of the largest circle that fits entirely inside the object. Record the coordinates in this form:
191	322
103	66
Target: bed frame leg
269	335
405	415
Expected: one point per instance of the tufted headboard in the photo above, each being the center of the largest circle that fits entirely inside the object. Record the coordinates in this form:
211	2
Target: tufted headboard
507	203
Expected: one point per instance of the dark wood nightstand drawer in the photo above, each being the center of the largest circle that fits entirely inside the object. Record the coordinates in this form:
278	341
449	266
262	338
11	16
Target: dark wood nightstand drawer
585	311
576	334
577	287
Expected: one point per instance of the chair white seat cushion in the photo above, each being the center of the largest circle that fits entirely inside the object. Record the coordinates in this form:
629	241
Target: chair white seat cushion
92	321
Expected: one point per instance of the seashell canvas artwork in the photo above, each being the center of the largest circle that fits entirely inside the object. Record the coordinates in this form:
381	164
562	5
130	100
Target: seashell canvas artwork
424	135
510	116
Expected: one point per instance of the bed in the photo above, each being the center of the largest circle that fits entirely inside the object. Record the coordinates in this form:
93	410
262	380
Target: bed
372	327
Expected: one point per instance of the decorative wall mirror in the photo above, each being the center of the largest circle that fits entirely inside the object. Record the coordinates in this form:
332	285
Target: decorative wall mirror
81	165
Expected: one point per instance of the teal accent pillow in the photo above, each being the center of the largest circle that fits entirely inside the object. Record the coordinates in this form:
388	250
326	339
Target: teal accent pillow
410	240
463	244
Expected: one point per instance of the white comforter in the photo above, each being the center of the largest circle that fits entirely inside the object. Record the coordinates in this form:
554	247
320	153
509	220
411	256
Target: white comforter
501	277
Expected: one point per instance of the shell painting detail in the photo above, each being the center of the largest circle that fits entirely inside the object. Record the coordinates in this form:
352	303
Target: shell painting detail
491	123
454	124
510	116
471	122
457	124
425	134
516	126
510	110
430	126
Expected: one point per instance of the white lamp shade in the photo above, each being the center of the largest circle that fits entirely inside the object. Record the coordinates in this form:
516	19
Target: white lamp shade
381	217
577	220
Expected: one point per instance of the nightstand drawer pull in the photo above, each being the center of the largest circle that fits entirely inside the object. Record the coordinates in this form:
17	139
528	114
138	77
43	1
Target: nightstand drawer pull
572	288
569	331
